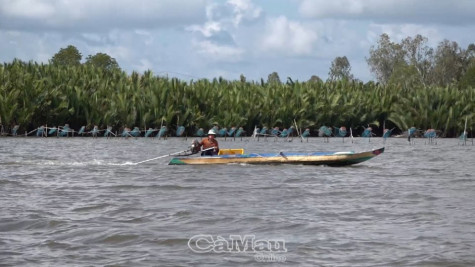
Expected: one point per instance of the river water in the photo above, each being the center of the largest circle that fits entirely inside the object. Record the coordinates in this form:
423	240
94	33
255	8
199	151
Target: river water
80	202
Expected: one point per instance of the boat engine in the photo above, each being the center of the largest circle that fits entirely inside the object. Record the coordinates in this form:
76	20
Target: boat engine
195	146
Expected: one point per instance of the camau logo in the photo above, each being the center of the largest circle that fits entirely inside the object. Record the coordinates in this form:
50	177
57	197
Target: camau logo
263	250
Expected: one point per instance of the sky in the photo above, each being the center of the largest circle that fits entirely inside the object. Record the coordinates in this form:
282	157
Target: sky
193	39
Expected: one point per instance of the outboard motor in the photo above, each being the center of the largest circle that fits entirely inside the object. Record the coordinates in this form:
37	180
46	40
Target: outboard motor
195	146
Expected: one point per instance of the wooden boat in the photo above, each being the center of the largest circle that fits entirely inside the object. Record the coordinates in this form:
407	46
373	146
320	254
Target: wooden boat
314	158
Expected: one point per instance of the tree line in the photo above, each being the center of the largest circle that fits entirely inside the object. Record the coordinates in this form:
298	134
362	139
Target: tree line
98	92
413	63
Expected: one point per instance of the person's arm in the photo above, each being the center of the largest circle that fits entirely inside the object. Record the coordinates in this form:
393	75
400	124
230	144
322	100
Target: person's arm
202	142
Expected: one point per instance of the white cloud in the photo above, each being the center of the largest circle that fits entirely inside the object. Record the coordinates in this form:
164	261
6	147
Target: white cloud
392	11
398	32
244	10
101	15
288	37
216	37
20	9
208	29
216	52
320	8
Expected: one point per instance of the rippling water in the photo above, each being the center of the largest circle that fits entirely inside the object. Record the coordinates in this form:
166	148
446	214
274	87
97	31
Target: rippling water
79	202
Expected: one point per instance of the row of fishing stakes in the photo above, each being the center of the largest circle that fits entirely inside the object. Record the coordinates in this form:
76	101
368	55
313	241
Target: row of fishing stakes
275	133
66	131
431	136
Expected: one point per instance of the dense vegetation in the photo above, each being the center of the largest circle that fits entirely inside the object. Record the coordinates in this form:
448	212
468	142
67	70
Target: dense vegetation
99	93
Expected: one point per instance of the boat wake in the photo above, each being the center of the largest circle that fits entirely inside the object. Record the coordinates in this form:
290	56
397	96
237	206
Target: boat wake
68	163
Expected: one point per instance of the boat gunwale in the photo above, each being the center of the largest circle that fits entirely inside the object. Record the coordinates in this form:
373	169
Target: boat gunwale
325	158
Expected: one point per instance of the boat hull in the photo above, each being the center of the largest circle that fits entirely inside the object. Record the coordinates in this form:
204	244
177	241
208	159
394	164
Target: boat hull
317	158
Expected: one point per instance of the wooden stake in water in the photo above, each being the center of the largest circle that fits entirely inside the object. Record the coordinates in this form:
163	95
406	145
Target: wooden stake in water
351	135
161	125
298	131
465	133
254	133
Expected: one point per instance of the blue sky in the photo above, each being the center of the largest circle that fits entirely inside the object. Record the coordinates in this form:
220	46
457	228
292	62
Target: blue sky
193	39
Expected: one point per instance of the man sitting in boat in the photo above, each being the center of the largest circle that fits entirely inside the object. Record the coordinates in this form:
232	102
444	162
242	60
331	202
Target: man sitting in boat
209	145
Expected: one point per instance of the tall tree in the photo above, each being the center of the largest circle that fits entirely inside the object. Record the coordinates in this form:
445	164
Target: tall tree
419	56
407	76
384	58
468	79
273	78
340	69
103	61
315	79
67	56
448	64
468	58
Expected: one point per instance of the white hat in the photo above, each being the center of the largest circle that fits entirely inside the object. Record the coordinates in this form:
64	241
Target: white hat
211	132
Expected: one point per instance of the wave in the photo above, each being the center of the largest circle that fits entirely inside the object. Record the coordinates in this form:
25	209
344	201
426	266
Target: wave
94	162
